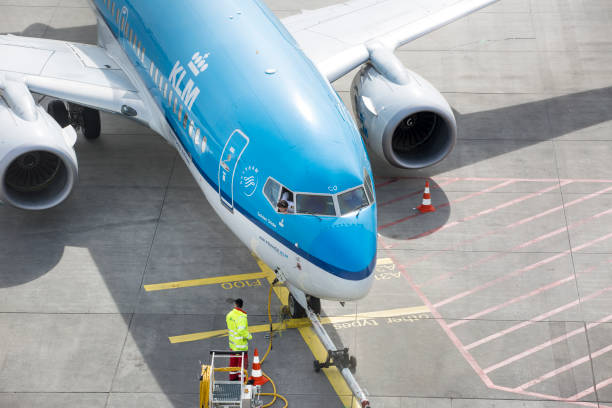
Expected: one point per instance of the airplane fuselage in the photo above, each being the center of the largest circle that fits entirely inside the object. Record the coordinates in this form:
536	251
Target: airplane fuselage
256	123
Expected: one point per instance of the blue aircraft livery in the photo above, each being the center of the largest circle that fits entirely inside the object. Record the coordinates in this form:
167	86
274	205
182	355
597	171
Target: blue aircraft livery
270	143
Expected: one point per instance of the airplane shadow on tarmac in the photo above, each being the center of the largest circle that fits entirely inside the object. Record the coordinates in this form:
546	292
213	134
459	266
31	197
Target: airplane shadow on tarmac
118	222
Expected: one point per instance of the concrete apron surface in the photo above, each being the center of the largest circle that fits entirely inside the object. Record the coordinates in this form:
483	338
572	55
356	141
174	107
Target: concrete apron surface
502	297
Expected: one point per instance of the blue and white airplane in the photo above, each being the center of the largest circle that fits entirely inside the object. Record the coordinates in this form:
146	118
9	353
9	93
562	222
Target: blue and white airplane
246	100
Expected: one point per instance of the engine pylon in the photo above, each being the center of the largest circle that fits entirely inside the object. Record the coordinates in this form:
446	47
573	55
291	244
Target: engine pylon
426	206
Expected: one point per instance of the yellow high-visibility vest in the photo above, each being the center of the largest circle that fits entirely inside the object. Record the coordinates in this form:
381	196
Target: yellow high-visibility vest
238	330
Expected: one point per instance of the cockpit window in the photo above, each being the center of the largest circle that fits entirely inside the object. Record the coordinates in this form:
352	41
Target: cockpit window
315	204
368	186
352	200
272	191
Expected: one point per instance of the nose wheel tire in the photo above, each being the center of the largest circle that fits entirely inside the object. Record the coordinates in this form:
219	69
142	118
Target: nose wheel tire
57	110
295	309
315	304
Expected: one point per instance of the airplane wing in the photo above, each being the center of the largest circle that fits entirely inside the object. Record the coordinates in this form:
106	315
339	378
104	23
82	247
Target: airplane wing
78	73
341	37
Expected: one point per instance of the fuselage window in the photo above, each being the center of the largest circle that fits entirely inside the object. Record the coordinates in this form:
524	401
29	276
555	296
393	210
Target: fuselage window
204	139
180	113
191	131
368	185
166	90
175	103
272	191
352	200
315	204
185	121
170	98
196	137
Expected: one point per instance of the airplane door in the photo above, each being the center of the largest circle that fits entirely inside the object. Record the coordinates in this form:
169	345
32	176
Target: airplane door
232	151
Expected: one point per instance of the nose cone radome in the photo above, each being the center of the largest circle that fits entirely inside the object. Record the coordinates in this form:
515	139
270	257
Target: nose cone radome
348	246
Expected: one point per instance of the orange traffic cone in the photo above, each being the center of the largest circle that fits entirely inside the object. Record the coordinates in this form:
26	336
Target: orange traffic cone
426	206
256	375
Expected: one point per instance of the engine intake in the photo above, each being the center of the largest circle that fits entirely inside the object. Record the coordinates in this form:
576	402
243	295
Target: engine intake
410	125
37	179
38	166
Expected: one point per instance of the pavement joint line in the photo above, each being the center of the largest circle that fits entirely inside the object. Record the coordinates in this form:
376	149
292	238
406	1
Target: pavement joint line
520	271
592	389
436	186
520	246
535	319
564	368
448	203
308	335
302	322
222	279
490	210
546	344
204	281
471	360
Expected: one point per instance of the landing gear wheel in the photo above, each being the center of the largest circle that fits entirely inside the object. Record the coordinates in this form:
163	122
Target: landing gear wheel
295	309
58	111
285	312
317	366
352	364
315	304
91	123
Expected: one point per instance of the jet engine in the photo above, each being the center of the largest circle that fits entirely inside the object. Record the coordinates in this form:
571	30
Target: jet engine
38	165
405	121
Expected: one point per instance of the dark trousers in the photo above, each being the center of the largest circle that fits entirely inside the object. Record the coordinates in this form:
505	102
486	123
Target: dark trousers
235	362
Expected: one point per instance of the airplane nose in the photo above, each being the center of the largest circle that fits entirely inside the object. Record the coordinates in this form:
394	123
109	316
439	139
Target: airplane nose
349	245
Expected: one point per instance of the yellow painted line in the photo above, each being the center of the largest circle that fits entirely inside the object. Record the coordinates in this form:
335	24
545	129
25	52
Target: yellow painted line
205	281
384	261
304	327
301	323
289	324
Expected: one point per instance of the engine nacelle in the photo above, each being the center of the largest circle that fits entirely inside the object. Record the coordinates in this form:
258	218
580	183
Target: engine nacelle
407	123
38	165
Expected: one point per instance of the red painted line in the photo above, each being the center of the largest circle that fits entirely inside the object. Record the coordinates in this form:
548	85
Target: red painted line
591	390
511	301
535	319
493	232
521	246
546	344
489	211
520	271
460	199
528	180
386	183
574	202
470	359
449	332
564	368
414	193
547	397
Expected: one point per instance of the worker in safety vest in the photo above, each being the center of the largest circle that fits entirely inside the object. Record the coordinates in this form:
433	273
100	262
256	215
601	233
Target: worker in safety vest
239	336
